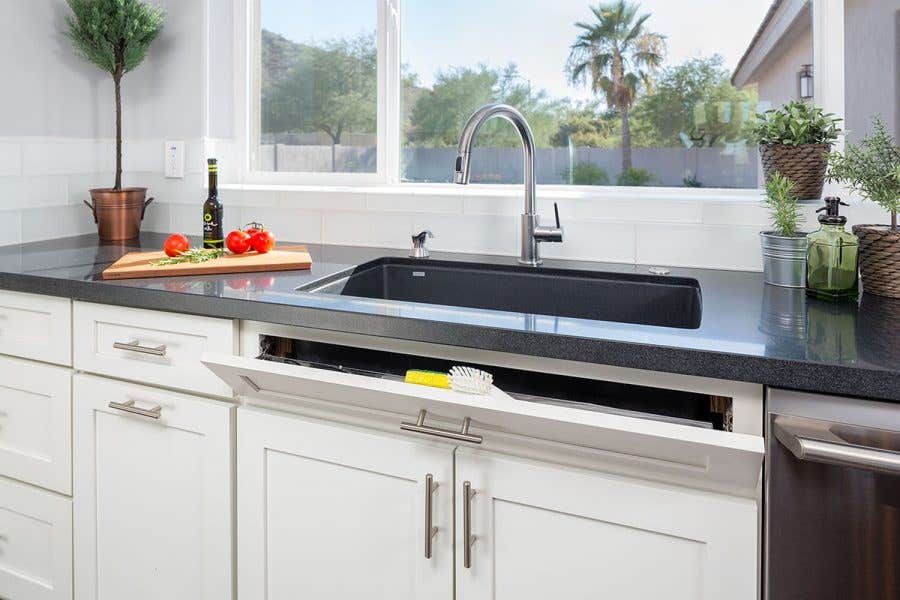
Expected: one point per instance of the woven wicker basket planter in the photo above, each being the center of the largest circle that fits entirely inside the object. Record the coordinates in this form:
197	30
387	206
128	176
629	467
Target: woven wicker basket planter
804	165
879	259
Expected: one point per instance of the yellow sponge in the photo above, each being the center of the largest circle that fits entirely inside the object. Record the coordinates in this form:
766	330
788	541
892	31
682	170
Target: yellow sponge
429	378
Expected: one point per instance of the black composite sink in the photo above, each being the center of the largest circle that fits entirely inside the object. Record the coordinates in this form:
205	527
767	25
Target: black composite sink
663	301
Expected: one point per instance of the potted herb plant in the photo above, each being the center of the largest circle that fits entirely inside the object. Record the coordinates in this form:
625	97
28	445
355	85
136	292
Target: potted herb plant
794	140
115	35
872	169
784	246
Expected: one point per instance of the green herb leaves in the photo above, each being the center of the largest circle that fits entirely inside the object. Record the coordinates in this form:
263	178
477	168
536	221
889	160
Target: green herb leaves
794	124
871	168
192	255
782	204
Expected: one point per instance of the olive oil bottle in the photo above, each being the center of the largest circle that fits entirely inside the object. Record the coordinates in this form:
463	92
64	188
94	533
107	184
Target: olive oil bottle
213	236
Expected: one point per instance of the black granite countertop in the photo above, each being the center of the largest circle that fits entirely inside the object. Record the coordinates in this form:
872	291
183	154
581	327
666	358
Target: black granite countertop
749	331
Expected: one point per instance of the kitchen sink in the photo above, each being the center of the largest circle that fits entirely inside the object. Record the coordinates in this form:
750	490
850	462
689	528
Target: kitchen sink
664	301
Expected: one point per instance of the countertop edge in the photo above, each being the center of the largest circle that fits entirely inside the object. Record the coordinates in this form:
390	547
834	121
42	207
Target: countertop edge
785	373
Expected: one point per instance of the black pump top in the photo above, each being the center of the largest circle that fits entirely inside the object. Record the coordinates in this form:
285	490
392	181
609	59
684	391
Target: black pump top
832	210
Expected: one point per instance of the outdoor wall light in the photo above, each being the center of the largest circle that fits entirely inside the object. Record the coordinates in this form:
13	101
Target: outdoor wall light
805	81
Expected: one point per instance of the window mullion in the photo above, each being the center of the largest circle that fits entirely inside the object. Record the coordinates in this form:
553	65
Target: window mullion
389	78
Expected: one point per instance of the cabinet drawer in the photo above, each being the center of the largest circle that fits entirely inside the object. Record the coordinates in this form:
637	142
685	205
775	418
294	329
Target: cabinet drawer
35	326
157	348
35	543
35	423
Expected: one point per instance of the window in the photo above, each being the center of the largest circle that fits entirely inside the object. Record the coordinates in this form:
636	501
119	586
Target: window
318	86
377	91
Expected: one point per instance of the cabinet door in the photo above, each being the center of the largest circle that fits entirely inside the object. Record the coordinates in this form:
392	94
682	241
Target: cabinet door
546	531
152	496
35	543
330	511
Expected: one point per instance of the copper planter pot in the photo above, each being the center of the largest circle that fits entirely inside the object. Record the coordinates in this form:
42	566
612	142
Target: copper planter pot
118	213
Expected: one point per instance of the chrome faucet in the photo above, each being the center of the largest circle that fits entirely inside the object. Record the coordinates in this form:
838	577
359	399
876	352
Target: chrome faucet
532	231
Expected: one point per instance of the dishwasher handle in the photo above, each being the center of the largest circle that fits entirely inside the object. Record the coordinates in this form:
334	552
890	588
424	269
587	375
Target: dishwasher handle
837	453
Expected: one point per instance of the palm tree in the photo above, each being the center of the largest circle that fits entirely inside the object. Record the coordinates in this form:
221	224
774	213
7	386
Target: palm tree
615	55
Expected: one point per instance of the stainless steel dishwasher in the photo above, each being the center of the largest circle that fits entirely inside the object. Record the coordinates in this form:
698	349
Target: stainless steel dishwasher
832	507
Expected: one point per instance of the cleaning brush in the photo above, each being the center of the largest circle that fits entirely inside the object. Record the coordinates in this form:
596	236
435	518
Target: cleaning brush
470	381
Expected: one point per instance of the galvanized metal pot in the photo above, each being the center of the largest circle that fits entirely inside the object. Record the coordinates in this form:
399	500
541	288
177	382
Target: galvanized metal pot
784	259
118	213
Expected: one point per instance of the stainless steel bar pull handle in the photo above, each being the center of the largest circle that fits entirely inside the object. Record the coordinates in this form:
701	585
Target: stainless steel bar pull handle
462	435
835	452
468	538
129	407
430	529
134	346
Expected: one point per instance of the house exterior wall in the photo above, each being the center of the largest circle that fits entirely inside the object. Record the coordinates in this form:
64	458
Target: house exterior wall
872	65
778	80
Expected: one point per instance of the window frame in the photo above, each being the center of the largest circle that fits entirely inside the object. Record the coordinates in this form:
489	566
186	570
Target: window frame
828	56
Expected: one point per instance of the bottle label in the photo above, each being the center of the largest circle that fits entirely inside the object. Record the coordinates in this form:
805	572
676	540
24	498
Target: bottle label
212	231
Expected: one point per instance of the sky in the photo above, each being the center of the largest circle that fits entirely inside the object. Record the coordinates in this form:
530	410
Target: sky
534	34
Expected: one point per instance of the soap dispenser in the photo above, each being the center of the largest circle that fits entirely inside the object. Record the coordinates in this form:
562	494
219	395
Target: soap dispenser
832	253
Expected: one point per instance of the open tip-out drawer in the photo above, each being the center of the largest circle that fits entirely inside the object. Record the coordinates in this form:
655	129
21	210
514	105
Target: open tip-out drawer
665	450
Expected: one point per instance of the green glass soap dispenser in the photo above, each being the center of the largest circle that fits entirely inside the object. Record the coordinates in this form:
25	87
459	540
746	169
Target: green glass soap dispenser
832	252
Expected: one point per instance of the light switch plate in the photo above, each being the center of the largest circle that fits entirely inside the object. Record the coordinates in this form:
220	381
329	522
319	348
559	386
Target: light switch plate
175	160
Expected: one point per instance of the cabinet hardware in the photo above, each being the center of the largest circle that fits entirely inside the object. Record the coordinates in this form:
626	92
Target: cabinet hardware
462	435
468	538
430	529
134	346
129	407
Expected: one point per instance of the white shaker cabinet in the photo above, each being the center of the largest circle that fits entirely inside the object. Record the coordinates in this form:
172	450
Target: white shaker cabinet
152	493
332	511
539	531
35	543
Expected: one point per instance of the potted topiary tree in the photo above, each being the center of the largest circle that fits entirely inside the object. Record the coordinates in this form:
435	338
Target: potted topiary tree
872	169
783	247
115	35
794	140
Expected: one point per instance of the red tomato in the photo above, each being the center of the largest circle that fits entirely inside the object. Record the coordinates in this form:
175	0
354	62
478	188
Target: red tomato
253	227
238	241
262	241
176	244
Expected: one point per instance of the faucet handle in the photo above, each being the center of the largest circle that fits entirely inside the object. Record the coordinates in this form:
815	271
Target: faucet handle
418	240
545	233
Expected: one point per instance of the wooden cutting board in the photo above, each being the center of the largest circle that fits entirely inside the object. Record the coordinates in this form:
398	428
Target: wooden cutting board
136	265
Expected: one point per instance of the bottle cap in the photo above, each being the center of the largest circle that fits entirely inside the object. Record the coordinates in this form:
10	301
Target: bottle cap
832	214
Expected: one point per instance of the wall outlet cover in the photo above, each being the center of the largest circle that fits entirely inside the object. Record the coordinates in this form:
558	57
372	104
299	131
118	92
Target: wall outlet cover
174	154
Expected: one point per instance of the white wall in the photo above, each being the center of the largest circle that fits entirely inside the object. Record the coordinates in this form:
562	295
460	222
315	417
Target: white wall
57	120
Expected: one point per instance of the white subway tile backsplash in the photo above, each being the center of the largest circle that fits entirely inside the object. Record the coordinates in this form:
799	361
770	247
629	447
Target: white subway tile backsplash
390	230
156	217
56	221
32	191
490	234
10	159
415	203
67	157
713	246
603	241
10	227
290	225
143	155
316	200
735	213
